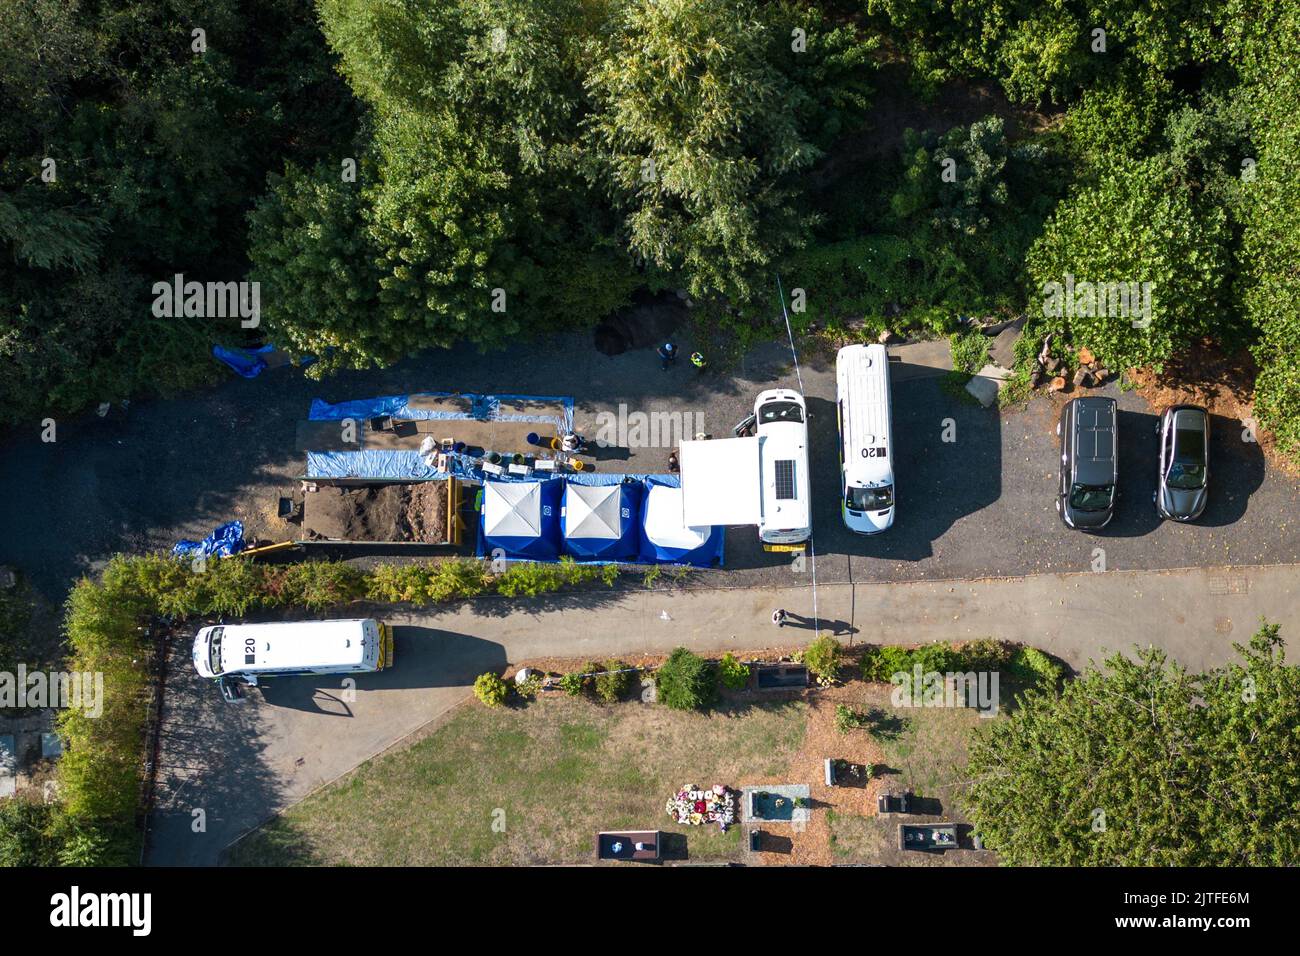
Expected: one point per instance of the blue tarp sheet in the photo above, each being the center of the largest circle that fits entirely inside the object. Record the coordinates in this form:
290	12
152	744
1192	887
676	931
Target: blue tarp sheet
224	540
245	362
482	408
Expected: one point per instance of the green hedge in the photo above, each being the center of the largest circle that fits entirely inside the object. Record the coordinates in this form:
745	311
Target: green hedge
1027	665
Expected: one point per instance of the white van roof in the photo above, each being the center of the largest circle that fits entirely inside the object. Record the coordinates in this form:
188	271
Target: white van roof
783	457
293	645
862	373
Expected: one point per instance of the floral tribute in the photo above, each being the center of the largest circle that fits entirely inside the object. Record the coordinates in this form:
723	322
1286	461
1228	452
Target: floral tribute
693	806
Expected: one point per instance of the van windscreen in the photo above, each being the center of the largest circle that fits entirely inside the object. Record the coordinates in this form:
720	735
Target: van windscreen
870	499
214	650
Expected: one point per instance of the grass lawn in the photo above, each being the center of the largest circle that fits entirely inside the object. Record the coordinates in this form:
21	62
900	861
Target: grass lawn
533	784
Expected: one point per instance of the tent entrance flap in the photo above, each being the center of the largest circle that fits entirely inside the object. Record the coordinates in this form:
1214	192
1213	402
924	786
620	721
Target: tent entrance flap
721	482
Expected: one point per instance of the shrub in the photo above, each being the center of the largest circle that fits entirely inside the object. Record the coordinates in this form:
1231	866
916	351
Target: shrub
985	655
573	684
1032	666
821	658
613	683
686	681
491	689
529	687
849	718
734	674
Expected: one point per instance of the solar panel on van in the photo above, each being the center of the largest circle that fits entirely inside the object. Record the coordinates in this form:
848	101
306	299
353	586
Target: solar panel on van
784	479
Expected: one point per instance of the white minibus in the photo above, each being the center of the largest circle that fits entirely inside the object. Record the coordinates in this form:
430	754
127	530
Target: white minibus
236	655
866	438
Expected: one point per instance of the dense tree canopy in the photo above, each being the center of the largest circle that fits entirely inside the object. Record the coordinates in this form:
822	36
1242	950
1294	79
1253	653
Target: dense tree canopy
406	174
1139	763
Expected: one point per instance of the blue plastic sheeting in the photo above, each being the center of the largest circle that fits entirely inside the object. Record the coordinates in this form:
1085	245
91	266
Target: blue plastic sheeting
521	521
664	540
377	465
602	522
224	540
246	362
482	408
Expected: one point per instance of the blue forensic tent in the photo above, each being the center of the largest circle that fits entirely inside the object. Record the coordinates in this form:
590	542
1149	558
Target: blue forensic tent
665	537
522	519
600	521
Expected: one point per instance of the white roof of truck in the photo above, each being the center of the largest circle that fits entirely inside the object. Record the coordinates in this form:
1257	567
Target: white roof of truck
719	482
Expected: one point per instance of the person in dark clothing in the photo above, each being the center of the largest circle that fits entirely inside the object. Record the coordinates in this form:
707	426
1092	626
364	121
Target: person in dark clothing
667	355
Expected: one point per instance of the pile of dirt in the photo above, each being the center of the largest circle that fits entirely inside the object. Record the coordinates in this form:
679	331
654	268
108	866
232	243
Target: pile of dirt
399	512
1221	383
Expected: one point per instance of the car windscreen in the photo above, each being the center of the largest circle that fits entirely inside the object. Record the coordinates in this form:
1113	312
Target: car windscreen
1185	477
780	412
869	499
214	650
1091	497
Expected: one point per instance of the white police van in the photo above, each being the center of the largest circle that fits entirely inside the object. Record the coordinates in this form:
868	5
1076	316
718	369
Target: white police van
239	655
866	438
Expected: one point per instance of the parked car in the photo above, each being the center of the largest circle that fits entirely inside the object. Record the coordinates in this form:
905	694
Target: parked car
1086	496
1184	484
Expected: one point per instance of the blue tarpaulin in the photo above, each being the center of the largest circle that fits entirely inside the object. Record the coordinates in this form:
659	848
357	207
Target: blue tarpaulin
246	362
224	540
481	408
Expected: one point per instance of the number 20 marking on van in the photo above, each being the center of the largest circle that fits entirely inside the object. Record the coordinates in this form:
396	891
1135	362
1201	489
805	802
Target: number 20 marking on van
875	451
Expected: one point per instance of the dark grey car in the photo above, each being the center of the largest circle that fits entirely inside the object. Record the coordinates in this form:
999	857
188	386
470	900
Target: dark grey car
1086	496
1183	488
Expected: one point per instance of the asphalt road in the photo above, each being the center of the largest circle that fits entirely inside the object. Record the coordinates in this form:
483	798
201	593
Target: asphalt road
980	505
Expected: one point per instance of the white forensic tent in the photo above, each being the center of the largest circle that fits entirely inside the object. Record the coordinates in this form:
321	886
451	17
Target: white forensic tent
593	511
721	482
512	509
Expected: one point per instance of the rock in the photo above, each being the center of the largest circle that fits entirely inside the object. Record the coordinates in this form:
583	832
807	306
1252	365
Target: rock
1086	357
1058	384
886	337
1036	377
1084	378
1101	374
1051	365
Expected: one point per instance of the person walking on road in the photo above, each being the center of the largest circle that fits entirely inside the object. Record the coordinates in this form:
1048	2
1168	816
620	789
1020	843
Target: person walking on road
667	355
778	617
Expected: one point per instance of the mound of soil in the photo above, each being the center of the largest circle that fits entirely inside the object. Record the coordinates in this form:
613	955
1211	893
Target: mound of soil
406	512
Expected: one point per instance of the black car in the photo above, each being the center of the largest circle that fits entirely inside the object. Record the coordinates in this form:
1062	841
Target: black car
1086	496
1183	489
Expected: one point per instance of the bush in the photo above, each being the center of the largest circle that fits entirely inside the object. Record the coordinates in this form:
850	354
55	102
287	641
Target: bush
985	655
574	684
529	687
849	718
821	658
734	674
613	683
490	689
686	681
1032	666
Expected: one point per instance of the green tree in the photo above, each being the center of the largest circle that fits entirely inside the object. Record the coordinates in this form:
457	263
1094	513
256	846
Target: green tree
1139	763
695	131
1135	225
